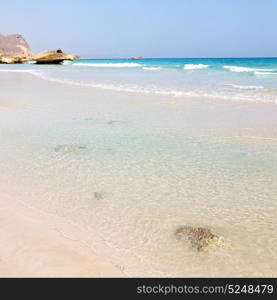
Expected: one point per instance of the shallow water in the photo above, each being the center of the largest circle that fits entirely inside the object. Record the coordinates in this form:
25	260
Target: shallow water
155	170
236	79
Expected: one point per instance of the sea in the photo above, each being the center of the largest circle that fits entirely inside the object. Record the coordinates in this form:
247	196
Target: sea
238	79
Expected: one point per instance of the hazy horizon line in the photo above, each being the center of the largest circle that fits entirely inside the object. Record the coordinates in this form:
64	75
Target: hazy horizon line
204	57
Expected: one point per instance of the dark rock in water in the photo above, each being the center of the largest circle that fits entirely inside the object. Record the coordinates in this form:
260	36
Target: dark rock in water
199	237
69	148
98	196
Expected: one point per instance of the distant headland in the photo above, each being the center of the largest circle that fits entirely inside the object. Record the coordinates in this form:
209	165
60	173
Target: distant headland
14	49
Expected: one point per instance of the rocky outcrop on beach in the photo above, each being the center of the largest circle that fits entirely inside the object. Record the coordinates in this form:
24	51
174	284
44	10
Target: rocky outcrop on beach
53	57
5	59
14	49
199	238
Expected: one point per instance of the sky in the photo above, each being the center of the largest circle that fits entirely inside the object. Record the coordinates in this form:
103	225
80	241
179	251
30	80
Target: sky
149	28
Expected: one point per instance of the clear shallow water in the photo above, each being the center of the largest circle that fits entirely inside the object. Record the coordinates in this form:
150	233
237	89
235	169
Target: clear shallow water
153	173
240	79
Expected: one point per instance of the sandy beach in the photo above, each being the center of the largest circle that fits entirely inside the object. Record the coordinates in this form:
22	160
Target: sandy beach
83	171
138	149
34	246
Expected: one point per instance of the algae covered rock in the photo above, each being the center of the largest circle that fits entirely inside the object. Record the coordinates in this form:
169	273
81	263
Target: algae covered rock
199	238
69	148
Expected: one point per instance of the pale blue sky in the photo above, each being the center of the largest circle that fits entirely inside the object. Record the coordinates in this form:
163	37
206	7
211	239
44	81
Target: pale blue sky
151	28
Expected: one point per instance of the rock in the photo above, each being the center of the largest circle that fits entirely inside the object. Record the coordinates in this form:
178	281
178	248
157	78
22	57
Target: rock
72	57
136	57
11	60
53	57
14	47
112	122
69	148
199	238
98	196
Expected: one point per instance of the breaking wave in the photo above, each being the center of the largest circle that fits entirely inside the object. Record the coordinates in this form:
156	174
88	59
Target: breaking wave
195	67
265	73
245	87
241	95
152	68
244	69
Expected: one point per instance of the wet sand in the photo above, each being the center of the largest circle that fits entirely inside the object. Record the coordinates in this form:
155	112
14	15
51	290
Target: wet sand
33	246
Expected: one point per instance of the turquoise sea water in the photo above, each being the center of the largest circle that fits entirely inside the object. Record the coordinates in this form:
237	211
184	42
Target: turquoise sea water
240	79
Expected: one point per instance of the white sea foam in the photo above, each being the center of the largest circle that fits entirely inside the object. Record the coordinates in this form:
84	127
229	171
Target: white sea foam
259	73
238	69
152	68
141	89
66	62
109	65
195	67
244	69
245	87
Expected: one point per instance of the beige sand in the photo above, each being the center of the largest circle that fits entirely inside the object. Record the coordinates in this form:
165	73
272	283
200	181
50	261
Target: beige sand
32	247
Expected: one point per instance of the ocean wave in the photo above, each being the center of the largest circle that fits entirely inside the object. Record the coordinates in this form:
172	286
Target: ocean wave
245	87
152	68
259	73
244	69
109	65
238	69
66	62
195	67
143	90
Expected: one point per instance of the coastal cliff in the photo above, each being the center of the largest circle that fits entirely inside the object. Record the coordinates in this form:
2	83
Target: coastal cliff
14	49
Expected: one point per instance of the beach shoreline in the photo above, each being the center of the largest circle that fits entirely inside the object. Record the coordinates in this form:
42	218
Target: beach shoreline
53	204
